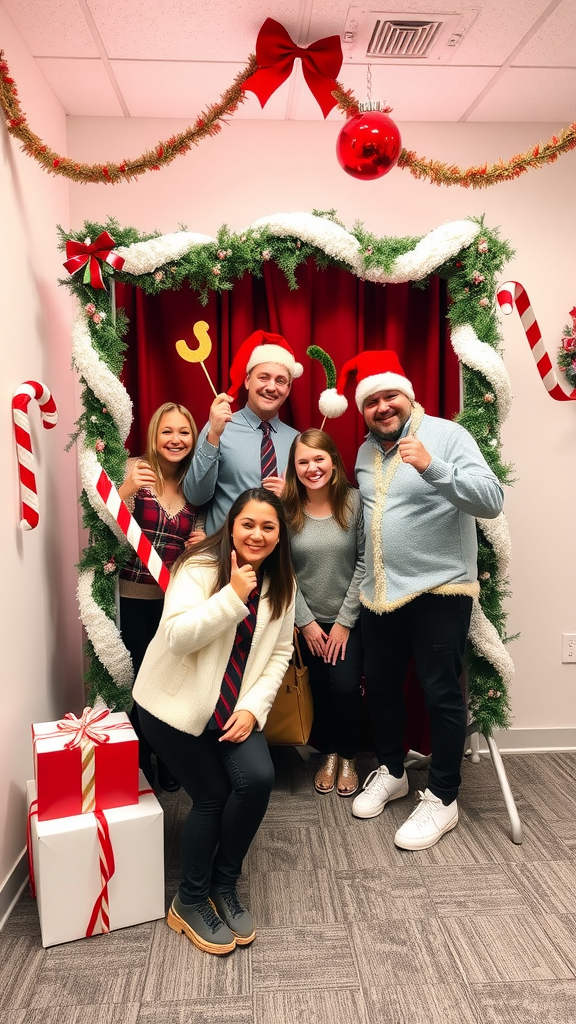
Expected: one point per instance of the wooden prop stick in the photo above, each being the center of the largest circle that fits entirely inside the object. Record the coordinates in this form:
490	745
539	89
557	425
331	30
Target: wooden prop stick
197	355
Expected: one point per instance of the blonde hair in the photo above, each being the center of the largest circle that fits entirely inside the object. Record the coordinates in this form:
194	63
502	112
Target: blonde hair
151	454
294	496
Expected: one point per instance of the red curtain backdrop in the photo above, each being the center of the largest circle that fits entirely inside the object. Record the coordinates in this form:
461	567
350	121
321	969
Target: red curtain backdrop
331	308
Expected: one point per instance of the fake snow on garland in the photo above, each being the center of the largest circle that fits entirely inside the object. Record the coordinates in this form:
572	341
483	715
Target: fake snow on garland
420	258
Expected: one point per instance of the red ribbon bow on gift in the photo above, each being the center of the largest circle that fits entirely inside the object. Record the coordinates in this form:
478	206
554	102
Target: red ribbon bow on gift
275	53
90	725
88	254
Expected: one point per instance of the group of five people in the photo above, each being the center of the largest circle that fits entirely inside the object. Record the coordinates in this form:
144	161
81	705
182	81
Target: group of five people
372	576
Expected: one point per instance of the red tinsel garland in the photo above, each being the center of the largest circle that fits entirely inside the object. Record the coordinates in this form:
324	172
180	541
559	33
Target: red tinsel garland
208	123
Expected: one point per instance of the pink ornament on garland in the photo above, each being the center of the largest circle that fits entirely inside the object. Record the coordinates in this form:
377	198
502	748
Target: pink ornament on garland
369	144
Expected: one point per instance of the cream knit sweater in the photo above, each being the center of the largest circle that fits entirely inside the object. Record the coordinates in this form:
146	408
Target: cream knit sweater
180	678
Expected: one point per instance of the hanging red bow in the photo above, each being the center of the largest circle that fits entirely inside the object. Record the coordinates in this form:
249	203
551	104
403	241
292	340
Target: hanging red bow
275	53
86	254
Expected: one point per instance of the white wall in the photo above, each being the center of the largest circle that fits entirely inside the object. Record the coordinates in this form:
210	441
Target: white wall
256	168
39	629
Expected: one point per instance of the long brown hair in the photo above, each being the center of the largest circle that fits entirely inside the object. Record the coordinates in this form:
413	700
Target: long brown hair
151	455
295	497
277	567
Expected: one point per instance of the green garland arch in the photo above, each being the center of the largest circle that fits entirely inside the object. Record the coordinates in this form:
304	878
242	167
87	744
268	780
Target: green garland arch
467	254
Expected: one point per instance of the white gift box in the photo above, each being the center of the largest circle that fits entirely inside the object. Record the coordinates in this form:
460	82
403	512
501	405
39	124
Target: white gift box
66	862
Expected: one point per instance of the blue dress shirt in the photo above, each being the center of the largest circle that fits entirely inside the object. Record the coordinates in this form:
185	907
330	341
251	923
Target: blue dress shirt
218	475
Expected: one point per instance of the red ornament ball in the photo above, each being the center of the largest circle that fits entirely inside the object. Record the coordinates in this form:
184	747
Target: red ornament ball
368	145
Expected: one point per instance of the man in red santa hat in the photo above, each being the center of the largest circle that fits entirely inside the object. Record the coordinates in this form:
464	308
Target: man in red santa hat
423	482
248	448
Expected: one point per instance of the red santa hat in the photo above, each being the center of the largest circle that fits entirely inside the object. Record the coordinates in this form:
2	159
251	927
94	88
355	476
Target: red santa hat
261	347
374	371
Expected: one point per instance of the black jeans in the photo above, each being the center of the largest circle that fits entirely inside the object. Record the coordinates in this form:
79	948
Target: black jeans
230	786
433	629
337	695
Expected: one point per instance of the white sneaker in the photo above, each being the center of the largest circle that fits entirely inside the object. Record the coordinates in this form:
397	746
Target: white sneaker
378	789
428	822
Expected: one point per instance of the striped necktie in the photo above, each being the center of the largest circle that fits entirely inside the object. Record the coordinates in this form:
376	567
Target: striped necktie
235	669
268	466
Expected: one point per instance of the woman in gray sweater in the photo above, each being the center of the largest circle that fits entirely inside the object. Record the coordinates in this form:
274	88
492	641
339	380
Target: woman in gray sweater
324	515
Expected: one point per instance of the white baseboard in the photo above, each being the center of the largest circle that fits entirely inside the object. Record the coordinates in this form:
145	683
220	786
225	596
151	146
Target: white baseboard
526	741
12	888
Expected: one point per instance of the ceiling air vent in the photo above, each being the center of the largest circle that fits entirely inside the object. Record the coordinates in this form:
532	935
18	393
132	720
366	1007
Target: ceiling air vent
403	38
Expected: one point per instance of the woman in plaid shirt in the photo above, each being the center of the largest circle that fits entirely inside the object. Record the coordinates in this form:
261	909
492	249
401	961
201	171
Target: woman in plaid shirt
153	491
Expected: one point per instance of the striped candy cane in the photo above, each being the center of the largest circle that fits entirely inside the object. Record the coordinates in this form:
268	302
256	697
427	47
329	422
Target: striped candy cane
510	294
49	415
142	546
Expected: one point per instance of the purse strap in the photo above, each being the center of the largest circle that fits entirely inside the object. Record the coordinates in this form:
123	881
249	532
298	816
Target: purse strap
297	651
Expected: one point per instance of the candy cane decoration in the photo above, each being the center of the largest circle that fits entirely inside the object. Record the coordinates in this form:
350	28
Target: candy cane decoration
142	546
514	293
49	415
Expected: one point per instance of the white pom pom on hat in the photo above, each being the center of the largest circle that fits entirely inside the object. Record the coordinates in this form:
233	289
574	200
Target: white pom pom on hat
331	404
261	347
376	370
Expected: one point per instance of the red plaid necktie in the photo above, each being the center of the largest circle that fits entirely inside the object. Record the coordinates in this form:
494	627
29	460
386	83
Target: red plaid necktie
268	465
235	669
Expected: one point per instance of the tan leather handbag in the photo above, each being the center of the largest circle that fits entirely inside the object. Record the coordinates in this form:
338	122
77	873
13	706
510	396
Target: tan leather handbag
290	719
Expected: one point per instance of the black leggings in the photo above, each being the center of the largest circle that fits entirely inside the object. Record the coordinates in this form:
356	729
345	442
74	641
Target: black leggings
337	695
230	785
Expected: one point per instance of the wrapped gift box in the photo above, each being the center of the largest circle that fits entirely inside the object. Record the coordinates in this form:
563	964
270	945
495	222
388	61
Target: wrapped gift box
67	875
58	765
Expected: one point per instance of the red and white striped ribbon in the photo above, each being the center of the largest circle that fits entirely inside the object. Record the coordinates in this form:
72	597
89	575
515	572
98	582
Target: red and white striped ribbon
49	415
514	294
142	546
92	725
101	910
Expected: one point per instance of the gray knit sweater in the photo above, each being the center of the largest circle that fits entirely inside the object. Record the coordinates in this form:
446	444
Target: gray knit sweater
329	564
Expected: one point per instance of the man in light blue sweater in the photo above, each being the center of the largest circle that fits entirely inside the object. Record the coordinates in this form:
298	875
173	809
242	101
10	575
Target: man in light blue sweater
423	481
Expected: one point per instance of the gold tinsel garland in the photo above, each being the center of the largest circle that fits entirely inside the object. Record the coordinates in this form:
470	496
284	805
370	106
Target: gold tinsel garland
208	123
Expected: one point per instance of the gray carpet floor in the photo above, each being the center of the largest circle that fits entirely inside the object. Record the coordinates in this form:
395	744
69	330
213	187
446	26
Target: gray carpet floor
351	930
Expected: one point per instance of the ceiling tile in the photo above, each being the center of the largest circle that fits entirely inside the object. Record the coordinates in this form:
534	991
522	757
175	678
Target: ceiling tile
52	28
181	89
530	94
553	45
82	86
414	93
218	30
497	31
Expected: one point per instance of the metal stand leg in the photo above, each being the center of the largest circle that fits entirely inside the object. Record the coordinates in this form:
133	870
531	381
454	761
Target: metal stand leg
515	823
473	750
414	759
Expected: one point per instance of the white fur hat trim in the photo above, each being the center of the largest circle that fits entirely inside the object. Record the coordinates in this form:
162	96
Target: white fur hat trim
382	382
275	354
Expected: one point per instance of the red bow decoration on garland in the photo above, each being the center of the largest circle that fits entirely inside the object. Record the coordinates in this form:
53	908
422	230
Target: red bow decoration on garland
275	53
87	254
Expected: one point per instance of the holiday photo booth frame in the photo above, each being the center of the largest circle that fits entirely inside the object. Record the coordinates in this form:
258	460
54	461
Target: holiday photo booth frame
466	254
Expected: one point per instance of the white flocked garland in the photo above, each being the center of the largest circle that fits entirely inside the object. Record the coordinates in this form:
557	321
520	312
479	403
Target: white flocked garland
427	256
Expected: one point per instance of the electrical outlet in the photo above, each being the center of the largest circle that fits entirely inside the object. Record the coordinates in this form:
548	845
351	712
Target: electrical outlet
569	648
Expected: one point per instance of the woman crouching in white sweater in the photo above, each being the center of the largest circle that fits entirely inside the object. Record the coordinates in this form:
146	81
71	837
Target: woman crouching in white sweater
207	682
